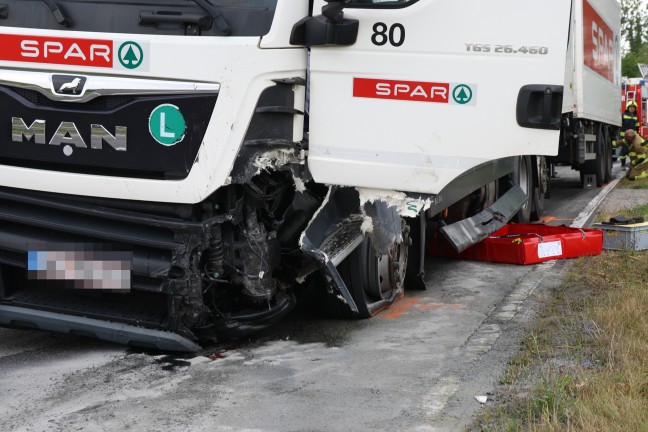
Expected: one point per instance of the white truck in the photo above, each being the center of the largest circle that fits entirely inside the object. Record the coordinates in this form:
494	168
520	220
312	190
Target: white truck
173	171
591	118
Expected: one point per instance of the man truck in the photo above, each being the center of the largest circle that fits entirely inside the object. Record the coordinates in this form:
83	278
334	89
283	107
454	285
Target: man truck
175	171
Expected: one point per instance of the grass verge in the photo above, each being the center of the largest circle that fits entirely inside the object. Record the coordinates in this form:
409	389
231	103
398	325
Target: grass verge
584	367
633	184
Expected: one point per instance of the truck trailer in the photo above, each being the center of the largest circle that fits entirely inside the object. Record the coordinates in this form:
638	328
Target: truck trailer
591	118
180	171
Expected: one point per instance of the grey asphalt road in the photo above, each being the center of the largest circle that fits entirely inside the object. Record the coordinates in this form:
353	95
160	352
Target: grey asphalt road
415	367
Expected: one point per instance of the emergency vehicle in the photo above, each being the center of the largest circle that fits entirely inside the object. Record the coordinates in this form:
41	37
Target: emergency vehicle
173	171
634	89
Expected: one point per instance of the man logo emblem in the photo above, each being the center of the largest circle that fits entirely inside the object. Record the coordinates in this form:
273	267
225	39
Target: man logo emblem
68	85
72	86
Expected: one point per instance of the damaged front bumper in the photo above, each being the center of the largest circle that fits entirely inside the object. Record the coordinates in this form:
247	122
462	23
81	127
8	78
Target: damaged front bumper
125	334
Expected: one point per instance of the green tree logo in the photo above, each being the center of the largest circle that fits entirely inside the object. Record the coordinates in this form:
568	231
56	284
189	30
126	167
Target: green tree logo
462	94
130	55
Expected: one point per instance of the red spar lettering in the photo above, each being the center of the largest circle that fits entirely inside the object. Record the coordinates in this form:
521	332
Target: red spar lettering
57	50
599	43
401	90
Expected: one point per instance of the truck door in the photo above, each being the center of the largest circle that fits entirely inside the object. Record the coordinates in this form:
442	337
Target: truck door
430	89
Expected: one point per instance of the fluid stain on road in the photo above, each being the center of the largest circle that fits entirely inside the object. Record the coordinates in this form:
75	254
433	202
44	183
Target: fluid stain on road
409	304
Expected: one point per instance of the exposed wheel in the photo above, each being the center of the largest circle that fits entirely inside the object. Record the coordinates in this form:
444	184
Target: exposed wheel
375	282
523	176
541	185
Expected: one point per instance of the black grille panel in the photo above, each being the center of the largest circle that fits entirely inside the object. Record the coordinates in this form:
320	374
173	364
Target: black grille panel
139	154
158	245
102	103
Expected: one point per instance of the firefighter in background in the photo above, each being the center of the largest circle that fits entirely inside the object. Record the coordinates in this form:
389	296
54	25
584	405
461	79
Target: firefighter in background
637	152
629	121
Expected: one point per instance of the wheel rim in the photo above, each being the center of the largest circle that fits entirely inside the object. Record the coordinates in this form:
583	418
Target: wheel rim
389	273
543	175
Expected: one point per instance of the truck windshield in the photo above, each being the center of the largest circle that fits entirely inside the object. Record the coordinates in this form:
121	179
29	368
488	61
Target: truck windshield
165	17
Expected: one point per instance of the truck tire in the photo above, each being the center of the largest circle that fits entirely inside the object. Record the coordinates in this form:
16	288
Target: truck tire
375	282
523	176
540	186
608	160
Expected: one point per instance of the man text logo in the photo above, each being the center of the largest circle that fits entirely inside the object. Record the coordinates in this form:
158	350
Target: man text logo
68	135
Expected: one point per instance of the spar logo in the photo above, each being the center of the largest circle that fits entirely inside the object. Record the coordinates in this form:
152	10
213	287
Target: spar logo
601	44
99	53
415	91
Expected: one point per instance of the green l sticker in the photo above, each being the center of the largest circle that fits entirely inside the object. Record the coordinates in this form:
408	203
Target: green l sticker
167	125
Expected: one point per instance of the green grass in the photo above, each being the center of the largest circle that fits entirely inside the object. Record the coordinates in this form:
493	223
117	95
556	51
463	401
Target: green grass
641	210
584	367
633	184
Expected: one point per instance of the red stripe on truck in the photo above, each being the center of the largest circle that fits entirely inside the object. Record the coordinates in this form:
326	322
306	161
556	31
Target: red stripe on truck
401	90
56	50
599	42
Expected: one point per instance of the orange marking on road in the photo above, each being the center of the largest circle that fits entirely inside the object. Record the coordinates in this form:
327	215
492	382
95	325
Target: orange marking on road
545	219
399	309
440	306
404	306
398	299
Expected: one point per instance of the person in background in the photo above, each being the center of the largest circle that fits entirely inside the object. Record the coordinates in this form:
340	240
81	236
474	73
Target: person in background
637	152
629	121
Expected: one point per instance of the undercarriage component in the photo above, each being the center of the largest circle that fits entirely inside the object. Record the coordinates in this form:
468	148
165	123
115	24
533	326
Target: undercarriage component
470	231
376	280
361	279
415	276
214	266
257	280
245	322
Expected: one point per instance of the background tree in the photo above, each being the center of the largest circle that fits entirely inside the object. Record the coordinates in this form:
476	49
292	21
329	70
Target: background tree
634	31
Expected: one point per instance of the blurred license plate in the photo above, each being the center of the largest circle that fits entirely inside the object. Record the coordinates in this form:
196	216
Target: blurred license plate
82	269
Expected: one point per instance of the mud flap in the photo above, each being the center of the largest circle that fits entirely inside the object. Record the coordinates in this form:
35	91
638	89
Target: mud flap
468	232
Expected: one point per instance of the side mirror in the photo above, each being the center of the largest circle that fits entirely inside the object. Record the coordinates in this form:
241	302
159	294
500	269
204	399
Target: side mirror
330	28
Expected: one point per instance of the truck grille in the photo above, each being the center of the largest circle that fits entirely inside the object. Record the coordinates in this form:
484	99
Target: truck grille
138	154
158	244
101	103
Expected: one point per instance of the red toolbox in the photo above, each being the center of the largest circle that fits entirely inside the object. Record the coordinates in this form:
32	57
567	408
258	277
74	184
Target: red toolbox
526	244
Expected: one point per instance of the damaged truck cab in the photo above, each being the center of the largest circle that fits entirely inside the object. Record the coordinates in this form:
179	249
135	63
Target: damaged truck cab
185	170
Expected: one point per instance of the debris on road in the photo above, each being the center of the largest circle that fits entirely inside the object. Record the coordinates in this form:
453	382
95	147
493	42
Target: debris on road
527	244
